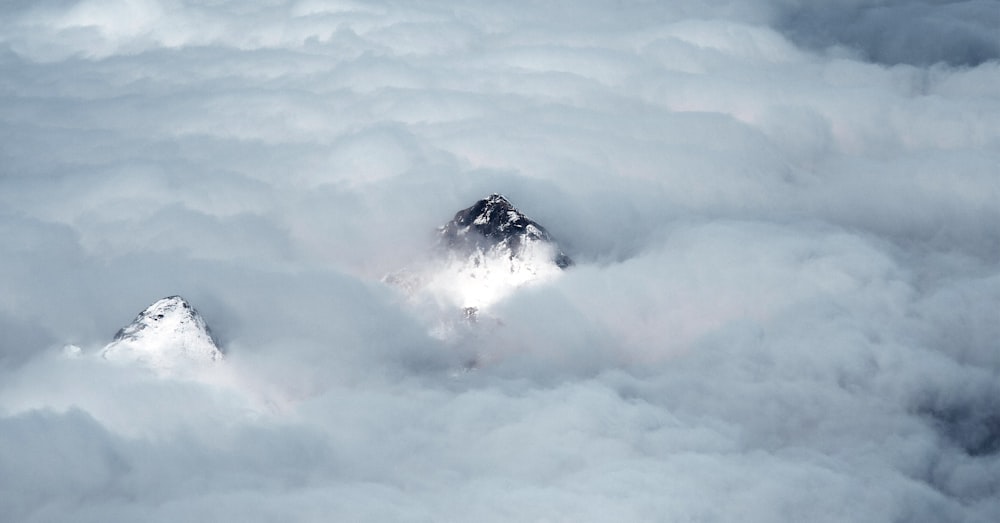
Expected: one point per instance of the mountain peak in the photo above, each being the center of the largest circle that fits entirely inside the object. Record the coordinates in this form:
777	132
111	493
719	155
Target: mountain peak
494	222
166	333
497	199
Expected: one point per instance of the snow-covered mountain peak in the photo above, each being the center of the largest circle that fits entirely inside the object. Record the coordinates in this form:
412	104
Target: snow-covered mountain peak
486	252
494	225
168	333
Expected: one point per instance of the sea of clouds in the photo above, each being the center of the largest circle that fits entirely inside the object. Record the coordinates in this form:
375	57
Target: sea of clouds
784	216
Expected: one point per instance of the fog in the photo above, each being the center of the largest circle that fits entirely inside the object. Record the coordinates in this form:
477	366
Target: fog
784	305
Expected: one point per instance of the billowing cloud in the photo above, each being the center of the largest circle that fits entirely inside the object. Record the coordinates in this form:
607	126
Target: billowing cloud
783	306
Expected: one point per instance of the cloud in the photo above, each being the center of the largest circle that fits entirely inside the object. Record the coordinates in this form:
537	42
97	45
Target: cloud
782	218
895	32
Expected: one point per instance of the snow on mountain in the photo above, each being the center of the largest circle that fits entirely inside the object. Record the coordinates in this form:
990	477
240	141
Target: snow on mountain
168	334
485	253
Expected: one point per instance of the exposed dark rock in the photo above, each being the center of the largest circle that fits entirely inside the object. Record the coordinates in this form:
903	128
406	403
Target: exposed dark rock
493	222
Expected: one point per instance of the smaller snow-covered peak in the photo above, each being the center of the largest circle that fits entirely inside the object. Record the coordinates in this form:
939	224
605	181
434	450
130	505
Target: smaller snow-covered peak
167	333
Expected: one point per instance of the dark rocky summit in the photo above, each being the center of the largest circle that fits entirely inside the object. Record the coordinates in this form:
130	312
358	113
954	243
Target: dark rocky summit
494	225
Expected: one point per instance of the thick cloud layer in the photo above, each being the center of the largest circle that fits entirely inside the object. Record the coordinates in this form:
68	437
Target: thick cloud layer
899	31
783	217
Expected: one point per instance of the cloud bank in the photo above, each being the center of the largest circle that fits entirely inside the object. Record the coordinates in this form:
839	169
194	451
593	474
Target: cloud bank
783	308
899	32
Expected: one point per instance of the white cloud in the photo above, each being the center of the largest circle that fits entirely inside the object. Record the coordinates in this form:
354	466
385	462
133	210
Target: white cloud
783	308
